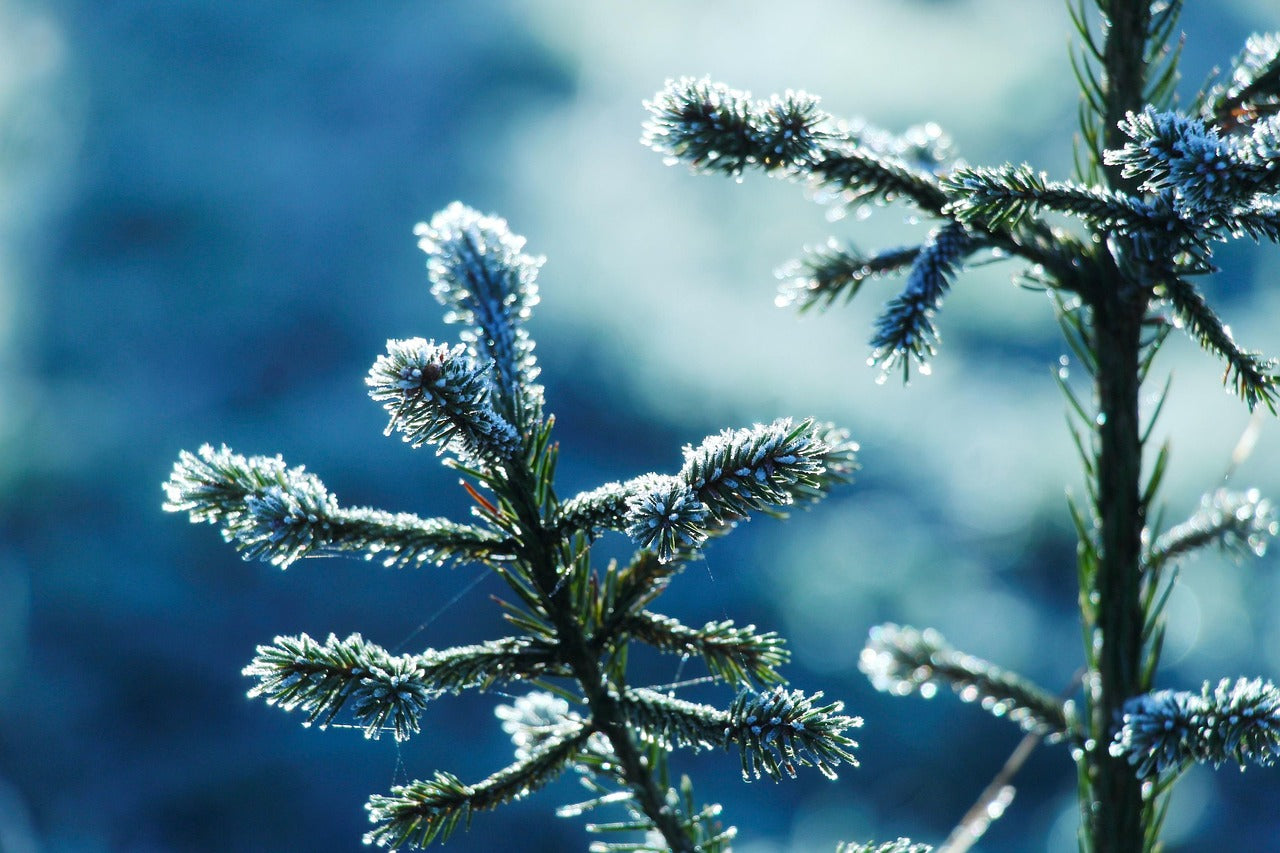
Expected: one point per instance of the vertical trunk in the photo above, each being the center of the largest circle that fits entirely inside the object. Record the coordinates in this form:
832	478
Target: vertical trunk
1115	817
1116	813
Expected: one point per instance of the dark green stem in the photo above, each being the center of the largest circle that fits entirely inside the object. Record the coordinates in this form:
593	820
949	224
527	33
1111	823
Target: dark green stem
1116	812
1115	816
538	548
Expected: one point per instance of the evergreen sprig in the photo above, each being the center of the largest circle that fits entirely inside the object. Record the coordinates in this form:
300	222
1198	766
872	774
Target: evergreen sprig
599	509
717	129
479	271
779	729
714	128
1254	378
1165	731
1260	221
1239	523
1203	173
762	468
665	515
902	660
271	512
1002	197
728	476
776	731
766	466
539	718
441	395
297	673
905	332
668	722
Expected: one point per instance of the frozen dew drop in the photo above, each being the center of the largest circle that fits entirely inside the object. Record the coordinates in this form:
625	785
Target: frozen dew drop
1101	419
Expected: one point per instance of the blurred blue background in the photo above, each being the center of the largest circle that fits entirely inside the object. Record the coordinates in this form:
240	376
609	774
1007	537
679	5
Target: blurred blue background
206	214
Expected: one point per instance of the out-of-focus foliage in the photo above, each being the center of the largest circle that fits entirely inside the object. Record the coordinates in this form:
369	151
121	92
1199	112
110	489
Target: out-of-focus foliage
204	220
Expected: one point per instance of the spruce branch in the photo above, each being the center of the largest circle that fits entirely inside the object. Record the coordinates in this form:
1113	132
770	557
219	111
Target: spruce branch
1239	523
714	128
1254	377
271	512
1203	173
767	466
832	272
1001	198
905	332
1165	731
297	673
728	476
717	129
479	271
739	656
441	395
776	730
902	660
902	845
429	810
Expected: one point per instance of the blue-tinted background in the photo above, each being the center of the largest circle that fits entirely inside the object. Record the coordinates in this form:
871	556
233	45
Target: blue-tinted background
205	236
